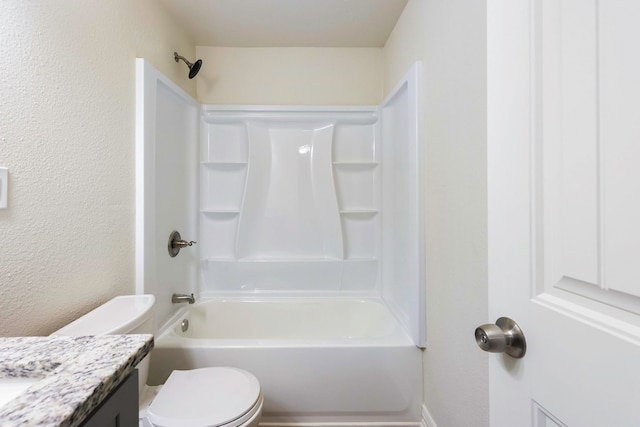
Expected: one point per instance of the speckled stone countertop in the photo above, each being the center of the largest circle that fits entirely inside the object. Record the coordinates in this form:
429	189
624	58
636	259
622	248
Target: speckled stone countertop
77	374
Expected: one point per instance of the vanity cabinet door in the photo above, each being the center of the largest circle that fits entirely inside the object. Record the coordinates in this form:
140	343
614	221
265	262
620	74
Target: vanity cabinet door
120	408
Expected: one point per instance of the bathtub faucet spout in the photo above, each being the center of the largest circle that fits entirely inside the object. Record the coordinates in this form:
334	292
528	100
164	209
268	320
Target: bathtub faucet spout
178	298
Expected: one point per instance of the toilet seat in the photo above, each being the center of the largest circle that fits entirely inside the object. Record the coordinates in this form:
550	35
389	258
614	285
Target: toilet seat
206	397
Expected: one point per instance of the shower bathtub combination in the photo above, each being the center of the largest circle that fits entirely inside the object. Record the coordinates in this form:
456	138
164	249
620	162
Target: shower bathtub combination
308	269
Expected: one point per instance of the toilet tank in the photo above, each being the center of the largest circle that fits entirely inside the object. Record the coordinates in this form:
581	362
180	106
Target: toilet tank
127	314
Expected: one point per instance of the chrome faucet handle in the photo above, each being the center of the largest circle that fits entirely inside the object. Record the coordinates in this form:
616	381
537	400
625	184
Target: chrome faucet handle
178	298
182	243
176	243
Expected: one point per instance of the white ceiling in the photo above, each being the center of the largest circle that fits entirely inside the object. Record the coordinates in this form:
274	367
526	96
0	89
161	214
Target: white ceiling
287	23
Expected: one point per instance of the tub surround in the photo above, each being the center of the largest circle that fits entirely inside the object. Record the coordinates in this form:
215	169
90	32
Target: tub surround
291	200
295	205
77	373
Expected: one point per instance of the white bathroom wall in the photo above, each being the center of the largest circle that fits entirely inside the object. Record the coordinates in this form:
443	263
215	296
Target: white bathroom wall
67	135
290	76
450	38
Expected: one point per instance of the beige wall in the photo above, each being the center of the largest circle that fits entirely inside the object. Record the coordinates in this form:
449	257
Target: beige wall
67	135
296	76
449	36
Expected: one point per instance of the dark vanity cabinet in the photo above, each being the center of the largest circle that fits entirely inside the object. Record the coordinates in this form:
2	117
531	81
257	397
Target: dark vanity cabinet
120	408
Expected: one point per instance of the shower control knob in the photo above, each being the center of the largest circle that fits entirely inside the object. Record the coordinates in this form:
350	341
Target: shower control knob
503	337
176	243
182	243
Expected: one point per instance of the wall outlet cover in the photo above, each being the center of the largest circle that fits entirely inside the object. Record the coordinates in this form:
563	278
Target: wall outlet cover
4	181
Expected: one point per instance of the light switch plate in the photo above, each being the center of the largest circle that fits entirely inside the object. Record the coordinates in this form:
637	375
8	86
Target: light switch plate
4	186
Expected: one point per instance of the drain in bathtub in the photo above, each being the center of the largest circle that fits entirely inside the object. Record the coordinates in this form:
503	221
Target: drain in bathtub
184	325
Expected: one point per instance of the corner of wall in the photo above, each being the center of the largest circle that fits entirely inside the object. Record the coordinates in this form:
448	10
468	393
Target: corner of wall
450	38
157	36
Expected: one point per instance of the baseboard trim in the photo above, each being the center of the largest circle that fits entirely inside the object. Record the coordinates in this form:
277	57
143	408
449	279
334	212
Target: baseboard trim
352	424
427	419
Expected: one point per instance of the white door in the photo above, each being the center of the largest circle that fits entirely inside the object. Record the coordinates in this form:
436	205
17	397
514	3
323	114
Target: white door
564	210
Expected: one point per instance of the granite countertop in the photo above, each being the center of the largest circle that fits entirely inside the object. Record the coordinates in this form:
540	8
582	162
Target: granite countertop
77	374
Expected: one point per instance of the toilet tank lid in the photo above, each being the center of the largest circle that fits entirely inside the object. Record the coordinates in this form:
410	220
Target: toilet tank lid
119	315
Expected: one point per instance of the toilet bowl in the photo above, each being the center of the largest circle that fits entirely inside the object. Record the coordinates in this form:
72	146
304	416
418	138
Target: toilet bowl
205	397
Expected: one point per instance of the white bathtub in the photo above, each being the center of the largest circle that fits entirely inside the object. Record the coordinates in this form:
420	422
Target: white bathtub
319	361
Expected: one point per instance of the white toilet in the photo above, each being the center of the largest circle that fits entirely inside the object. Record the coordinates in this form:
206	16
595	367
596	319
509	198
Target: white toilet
206	397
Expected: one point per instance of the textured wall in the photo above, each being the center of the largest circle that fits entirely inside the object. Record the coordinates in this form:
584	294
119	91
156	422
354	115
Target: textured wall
283	76
67	135
449	36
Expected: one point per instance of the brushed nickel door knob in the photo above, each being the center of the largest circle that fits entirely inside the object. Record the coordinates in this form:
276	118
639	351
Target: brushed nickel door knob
503	337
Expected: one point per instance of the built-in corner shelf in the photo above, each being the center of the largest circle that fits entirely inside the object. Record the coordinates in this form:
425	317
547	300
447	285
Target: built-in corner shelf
223	164
221	187
356	164
220	211
369	212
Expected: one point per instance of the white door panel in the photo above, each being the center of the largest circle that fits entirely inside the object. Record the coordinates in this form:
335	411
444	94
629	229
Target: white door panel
564	209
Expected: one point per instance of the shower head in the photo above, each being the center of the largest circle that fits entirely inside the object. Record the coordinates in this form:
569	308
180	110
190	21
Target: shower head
193	68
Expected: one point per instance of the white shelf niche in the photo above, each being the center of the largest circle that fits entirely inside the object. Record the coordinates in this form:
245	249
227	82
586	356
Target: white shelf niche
356	185
360	231
354	143
222	185
218	235
224	143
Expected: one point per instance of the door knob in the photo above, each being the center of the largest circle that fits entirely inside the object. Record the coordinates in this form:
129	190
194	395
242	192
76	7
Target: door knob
503	337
